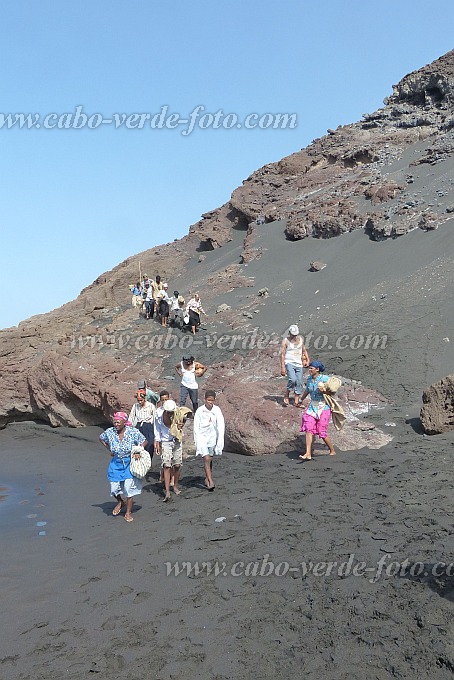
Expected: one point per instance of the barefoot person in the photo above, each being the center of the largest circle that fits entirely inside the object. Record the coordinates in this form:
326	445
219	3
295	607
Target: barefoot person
164	395
294	357
120	439
209	430
316	416
163	301
168	435
194	309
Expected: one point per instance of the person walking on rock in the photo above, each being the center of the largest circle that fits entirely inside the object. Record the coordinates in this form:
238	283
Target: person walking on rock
163	300
294	357
149	301
194	309
177	310
189	369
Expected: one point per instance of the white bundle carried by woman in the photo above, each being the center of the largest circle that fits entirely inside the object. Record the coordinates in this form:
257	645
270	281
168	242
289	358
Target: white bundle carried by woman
333	384
139	466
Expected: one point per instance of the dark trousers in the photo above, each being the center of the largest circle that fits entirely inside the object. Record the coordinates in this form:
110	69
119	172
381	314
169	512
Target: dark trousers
164	308
147	430
149	307
194	318
193	396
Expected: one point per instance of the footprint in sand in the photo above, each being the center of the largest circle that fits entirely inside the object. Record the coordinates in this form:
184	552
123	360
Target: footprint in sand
124	590
141	597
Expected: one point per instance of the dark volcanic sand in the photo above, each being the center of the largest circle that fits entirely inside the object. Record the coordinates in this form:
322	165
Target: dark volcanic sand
91	596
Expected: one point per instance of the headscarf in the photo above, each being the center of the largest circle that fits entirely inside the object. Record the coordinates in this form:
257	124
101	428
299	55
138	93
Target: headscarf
317	364
141	393
121	415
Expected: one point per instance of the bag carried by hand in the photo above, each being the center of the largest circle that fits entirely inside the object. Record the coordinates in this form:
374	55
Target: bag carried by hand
140	466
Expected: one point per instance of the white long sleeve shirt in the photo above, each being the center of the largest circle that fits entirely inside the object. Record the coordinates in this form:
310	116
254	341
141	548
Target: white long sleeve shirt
209	429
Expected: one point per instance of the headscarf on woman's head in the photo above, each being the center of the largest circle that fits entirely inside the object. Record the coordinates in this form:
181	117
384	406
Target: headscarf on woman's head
121	415
317	364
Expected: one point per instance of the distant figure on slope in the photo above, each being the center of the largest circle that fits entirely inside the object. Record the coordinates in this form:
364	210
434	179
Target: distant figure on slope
163	299
294	357
136	291
149	301
156	286
316	416
193	310
177	310
209	430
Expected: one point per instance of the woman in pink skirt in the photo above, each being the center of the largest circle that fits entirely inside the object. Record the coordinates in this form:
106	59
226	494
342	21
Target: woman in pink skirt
316	416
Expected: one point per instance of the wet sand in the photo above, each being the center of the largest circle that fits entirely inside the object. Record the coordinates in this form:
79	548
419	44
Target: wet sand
84	592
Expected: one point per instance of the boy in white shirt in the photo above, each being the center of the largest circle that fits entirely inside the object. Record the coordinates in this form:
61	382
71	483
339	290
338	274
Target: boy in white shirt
209	428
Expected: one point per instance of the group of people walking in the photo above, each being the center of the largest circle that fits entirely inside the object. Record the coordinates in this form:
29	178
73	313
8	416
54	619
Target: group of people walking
156	424
152	296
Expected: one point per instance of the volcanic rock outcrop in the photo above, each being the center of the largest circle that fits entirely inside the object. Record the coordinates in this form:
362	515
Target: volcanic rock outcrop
352	178
437	413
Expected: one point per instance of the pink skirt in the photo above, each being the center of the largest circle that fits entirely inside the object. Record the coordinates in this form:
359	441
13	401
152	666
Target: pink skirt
316	427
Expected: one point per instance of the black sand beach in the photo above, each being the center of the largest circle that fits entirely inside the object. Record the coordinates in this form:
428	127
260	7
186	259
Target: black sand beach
84	592
91	595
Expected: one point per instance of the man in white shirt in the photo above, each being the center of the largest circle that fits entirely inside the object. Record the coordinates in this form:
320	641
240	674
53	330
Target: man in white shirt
168	426
149	301
209	428
176	310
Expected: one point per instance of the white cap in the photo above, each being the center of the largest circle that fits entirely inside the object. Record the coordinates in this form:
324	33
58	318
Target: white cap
294	330
165	285
169	405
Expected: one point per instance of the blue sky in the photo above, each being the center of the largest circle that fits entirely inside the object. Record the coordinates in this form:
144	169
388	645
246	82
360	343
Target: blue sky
74	203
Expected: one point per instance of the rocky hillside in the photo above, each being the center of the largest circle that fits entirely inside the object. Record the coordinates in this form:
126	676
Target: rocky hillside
385	176
358	176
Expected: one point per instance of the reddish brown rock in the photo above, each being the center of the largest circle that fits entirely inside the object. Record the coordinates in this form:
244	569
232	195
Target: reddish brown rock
382	193
312	188
265	426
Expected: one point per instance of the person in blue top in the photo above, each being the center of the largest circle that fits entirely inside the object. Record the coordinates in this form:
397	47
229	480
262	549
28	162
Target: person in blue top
316	416
120	439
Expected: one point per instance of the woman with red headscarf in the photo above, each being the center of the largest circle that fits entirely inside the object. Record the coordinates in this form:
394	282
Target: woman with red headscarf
120	440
